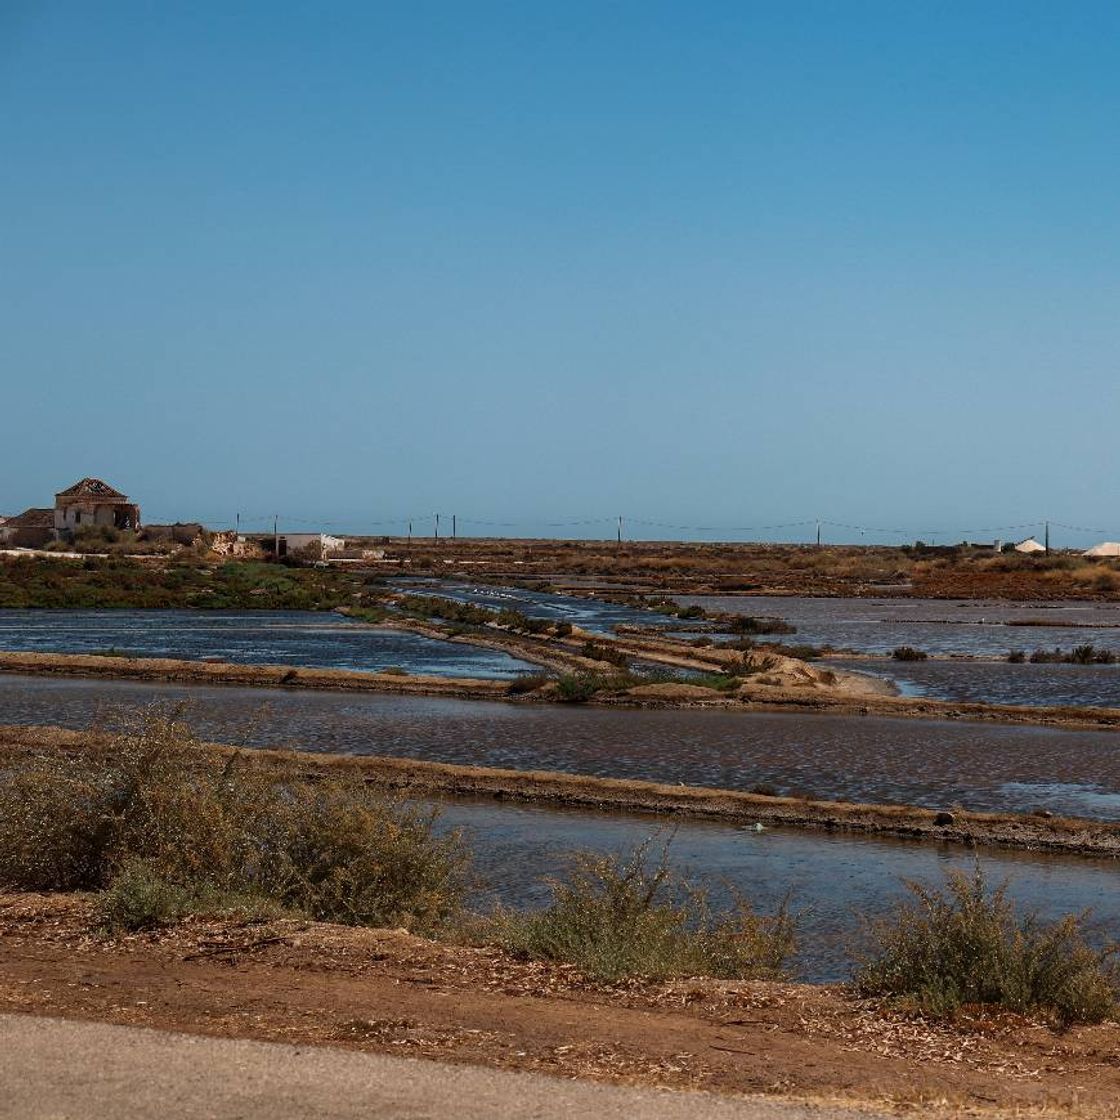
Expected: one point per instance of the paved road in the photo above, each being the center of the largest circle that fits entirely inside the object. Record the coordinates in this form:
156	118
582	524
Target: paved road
53	1069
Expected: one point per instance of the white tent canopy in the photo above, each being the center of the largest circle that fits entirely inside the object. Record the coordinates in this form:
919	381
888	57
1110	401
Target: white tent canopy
1030	545
1105	548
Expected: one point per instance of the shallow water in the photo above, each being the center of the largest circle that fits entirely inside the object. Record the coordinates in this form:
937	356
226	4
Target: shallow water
979	766
998	682
313	639
833	882
595	615
979	627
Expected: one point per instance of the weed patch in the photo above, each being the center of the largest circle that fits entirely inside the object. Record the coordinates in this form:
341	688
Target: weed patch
620	917
165	823
964	944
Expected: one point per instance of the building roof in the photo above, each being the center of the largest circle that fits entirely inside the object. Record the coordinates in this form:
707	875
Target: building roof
31	519
92	488
1105	548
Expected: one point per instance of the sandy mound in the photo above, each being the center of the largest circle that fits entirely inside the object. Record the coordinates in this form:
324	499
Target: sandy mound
670	691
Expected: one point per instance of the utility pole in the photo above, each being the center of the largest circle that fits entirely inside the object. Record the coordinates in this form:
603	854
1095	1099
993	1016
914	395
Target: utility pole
1046	538
620	530
454	527
237	523
276	535
818	532
437	526
410	534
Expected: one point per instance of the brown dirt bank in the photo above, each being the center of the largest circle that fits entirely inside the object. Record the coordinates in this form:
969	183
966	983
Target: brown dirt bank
388	991
754	696
573	791
264	676
659	567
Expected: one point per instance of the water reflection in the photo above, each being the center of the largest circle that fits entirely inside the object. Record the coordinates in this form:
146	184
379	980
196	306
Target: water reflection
861	759
978	627
834	883
596	615
313	639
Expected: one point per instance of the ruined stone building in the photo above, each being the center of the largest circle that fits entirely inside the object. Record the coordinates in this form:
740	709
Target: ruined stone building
92	502
31	529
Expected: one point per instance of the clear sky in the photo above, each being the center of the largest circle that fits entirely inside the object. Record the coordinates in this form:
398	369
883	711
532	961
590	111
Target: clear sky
718	264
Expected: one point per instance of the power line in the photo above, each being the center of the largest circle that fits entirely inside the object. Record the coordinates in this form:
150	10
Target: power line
359	526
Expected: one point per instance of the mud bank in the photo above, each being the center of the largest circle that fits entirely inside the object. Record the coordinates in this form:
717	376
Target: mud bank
266	676
811	697
1027	832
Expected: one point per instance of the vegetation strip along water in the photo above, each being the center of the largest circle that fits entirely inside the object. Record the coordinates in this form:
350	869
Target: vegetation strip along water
1031	832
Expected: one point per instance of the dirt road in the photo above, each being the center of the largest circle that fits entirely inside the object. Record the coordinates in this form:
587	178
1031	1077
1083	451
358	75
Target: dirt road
386	992
52	1069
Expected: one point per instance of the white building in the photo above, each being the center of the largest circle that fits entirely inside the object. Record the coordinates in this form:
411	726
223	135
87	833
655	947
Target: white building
1105	548
322	543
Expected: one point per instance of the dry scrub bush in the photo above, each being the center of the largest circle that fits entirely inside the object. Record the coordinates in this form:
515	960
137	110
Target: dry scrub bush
619	917
966	945
192	828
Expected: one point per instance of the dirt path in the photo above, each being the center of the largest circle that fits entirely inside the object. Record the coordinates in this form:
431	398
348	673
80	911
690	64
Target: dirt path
389	992
70	1070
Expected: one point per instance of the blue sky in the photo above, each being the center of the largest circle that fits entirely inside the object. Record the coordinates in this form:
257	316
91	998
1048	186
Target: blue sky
702	264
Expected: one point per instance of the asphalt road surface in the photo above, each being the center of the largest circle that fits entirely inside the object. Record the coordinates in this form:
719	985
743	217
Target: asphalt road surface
53	1069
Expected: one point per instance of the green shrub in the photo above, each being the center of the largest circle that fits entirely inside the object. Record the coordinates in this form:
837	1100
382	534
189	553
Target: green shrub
908	653
528	682
597	651
562	629
216	824
801	652
576	688
373	614
720	682
619	917
744	645
1086	654
436	606
1016	657
118	581
745	624
140	898
689	612
967	945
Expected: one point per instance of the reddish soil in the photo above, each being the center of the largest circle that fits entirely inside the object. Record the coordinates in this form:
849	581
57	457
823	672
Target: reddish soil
391	992
658	567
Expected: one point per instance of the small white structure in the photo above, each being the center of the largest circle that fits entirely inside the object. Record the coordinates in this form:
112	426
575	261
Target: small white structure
323	543
1030	545
1105	548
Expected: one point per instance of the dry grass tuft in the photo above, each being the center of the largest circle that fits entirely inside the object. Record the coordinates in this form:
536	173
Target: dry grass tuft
967	945
171	826
615	918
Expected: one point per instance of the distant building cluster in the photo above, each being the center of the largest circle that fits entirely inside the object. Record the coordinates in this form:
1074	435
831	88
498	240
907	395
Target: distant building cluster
92	504
89	503
284	544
